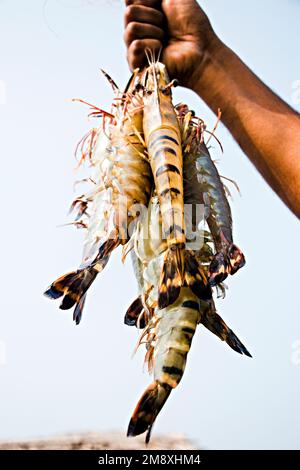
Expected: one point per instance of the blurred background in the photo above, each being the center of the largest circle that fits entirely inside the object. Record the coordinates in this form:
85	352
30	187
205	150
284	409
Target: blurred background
56	377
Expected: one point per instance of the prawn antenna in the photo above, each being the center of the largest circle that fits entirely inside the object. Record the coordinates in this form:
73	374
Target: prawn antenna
159	53
147	54
111	81
95	111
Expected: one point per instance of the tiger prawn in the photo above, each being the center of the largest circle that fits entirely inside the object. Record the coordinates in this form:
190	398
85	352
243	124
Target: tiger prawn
163	141
122	185
205	183
168	332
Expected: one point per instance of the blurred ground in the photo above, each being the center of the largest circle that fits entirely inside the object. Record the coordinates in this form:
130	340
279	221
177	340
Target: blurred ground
102	441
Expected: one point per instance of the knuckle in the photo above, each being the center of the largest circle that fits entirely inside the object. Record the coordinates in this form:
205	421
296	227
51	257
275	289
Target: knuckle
137	47
130	32
131	13
132	29
134	59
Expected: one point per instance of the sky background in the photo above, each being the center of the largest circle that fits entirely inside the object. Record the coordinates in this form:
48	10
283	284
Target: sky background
56	377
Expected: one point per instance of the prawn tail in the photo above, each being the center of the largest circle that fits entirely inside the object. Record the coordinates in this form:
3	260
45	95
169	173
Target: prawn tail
195	277
225	262
214	323
72	287
172	277
236	259
147	409
136	315
219	268
108	246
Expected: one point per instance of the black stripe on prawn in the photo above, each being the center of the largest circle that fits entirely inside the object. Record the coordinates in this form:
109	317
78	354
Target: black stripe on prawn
163	141
122	183
205	183
168	332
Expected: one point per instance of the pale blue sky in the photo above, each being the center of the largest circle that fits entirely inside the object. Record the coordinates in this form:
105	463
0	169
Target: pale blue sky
59	377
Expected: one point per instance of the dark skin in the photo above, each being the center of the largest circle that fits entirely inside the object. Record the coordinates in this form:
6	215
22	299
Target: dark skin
266	128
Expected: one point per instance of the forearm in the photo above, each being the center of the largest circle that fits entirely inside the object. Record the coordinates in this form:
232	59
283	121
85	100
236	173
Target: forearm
265	127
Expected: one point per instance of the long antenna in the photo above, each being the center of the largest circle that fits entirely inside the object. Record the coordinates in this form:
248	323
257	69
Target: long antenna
147	51
111	81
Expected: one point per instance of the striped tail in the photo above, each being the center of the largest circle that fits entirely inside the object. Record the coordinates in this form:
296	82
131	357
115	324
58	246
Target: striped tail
214	323
181	267
108	246
195	277
136	314
72	287
236	259
225	262
147	409
172	276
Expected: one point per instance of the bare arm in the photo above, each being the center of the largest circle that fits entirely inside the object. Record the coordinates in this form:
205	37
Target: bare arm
266	128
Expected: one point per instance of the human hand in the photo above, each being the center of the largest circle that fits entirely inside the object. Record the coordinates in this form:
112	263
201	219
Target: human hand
179	27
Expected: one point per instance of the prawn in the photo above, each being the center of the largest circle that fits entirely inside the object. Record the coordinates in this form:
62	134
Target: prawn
163	141
207	188
122	185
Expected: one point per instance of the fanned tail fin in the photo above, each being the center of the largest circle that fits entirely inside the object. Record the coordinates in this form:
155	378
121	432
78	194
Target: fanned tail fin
236	258
172	277
147	409
77	314
136	315
133	312
214	323
72	287
195	277
218	269
225	262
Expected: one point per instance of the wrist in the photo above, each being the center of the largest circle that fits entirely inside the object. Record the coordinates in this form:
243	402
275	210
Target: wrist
207	57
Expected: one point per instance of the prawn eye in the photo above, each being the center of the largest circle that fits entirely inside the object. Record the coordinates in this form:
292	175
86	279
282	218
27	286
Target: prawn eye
139	87
166	90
